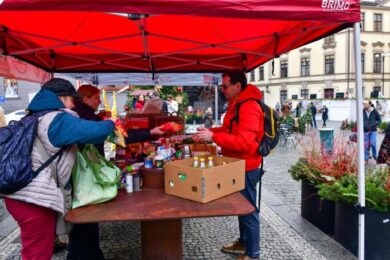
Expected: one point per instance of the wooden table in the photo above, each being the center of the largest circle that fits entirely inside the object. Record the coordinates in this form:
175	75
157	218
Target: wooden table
160	215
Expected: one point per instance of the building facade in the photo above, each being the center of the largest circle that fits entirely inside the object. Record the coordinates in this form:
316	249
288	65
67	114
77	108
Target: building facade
325	69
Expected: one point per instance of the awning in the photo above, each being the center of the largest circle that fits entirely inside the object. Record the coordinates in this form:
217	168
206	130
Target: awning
164	36
148	79
16	69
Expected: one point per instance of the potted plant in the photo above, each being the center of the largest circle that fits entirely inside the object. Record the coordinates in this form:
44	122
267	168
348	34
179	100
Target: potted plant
344	192
314	169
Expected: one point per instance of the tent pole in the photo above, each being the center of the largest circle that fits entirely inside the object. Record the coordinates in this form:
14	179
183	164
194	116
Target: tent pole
359	113
216	103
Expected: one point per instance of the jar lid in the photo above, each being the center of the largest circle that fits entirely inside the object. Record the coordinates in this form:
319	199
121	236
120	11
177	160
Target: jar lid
159	157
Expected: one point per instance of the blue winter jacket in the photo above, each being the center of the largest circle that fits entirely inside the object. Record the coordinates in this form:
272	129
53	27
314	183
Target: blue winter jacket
66	128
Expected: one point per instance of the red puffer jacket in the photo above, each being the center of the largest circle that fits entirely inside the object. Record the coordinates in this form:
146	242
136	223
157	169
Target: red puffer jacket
241	143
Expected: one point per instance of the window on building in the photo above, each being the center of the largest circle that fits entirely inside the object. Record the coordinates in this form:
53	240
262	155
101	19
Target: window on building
11	89
261	73
377	63
252	75
305	67
329	64
377	22
329	39
283	96
363	61
375	92
304	93
283	69
362	16
329	93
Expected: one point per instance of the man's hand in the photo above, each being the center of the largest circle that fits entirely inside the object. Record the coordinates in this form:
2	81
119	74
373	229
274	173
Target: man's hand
204	135
157	131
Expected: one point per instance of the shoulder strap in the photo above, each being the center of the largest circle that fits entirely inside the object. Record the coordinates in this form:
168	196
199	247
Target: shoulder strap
236	112
49	159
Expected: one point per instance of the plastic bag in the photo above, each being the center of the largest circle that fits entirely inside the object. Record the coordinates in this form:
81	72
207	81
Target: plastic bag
94	179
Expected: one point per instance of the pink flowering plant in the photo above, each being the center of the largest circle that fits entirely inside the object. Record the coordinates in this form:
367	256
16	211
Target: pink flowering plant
316	167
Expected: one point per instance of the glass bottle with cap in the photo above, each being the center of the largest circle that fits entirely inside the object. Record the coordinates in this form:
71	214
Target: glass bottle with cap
195	164
210	162
202	163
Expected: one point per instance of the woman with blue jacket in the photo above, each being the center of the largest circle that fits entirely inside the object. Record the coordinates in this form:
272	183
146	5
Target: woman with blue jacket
37	206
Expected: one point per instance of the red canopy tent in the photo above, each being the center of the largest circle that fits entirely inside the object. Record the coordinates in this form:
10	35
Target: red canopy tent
174	36
164	36
17	69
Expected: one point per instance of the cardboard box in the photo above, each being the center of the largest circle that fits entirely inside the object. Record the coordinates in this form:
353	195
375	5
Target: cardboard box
204	185
203	148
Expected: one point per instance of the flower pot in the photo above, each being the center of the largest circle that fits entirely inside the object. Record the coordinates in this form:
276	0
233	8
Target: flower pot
320	213
377	231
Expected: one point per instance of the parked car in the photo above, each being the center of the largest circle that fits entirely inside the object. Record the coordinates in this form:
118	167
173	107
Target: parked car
15	116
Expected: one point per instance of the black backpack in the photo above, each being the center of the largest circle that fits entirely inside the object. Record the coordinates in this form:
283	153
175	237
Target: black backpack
271	127
16	143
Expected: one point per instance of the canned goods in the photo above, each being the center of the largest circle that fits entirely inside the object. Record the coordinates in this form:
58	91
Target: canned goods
129	183
148	163
159	161
137	182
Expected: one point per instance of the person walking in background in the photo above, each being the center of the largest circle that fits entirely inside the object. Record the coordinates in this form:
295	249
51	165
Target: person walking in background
298	110
324	111
379	108
208	118
239	140
371	120
277	107
173	107
384	150
44	201
313	111
140	103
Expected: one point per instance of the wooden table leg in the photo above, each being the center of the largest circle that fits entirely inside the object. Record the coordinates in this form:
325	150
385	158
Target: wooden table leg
162	239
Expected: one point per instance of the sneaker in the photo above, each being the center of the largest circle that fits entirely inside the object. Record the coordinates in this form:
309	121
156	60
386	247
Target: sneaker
234	248
245	257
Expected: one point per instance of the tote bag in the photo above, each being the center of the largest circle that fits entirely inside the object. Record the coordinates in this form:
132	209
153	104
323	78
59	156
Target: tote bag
94	179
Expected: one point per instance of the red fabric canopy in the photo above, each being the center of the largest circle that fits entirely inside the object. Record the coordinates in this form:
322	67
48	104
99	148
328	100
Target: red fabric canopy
165	36
15	69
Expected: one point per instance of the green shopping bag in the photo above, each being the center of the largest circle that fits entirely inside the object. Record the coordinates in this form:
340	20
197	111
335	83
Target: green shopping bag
94	178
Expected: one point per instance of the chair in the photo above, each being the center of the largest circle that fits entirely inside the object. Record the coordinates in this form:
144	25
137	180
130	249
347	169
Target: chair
288	137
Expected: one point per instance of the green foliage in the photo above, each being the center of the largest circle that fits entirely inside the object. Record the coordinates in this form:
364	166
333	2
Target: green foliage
175	92
383	125
303	120
347	125
286	120
346	190
302	170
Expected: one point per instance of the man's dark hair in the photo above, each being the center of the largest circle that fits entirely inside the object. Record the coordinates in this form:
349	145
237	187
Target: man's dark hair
236	76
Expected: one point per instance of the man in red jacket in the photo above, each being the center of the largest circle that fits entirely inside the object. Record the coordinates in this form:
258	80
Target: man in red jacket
239	140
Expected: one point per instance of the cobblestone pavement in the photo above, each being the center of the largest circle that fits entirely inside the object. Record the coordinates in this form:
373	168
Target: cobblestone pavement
284	233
